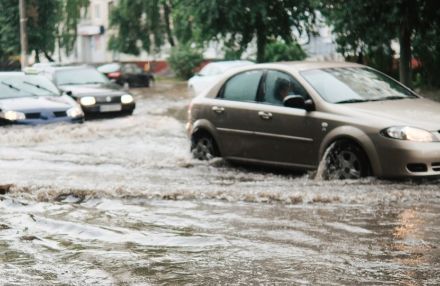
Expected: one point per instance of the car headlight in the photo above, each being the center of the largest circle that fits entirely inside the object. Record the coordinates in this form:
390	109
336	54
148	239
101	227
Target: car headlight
87	100
75	112
127	98
409	133
12	115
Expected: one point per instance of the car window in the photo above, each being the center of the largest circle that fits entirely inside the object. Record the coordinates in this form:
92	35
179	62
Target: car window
242	87
128	68
137	69
78	76
278	85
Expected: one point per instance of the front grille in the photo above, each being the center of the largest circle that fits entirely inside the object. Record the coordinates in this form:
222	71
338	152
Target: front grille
33	115
436	166
108	99
60	114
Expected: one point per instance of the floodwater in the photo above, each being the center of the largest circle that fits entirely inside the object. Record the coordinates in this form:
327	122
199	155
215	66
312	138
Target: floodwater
121	202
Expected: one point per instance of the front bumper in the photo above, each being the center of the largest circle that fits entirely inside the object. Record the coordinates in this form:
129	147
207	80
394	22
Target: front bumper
108	109
43	121
399	158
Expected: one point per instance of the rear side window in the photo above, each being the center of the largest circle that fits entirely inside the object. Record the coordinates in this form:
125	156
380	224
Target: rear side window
242	87
278	85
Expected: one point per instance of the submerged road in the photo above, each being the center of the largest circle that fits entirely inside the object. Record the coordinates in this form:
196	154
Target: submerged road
121	202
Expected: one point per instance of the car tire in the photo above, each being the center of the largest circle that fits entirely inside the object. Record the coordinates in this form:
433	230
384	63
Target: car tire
203	147
345	160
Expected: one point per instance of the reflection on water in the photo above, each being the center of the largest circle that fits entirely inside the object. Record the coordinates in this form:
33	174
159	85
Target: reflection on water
121	201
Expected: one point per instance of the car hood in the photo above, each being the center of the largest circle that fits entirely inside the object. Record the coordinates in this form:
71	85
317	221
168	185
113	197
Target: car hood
419	112
93	90
25	104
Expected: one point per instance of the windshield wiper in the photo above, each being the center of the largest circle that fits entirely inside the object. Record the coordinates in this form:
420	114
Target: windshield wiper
391	97
94	82
353	100
39	86
11	86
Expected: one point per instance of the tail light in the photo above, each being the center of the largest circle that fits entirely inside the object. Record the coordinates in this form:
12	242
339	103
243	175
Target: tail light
114	74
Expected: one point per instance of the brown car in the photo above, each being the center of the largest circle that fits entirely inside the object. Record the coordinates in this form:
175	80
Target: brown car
295	114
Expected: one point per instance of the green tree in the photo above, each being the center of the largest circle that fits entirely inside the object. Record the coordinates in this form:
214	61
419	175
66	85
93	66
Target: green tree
184	59
140	25
367	27
44	25
238	22
67	27
279	51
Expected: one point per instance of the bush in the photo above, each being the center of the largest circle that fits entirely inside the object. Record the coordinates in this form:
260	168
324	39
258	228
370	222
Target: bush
184	59
281	51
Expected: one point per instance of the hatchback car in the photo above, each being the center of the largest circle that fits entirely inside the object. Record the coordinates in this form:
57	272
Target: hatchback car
359	120
92	90
33	99
211	73
127	74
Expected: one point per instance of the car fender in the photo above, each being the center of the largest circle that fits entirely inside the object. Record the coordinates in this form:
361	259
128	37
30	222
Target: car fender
358	136
203	124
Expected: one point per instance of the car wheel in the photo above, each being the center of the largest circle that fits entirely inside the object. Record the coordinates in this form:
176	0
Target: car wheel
345	160
203	147
126	85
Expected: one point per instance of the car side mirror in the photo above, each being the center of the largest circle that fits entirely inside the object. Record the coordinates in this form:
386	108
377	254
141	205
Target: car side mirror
297	101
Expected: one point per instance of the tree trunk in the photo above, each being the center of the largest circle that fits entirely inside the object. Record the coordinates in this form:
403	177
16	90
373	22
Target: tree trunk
261	39
37	55
48	57
167	13
405	54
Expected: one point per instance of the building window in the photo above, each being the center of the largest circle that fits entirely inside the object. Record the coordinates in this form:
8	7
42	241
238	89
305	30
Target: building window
97	11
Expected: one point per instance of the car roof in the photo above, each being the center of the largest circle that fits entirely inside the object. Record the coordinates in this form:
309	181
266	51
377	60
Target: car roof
11	73
306	65
68	67
227	64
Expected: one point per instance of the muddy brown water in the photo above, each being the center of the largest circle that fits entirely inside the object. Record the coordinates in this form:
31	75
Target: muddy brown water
121	202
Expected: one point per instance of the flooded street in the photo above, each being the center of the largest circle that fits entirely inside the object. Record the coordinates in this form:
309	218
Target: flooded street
121	202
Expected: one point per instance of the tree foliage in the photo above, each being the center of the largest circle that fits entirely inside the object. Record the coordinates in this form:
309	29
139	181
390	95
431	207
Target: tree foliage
368	27
238	22
46	20
280	51
140	25
184	59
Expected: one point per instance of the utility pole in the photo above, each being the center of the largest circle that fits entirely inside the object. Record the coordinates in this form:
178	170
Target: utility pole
23	34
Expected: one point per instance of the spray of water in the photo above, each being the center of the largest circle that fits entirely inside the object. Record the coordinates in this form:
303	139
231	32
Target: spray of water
323	164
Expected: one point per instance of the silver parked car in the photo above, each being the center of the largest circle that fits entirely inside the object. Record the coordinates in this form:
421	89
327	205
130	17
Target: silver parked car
295	114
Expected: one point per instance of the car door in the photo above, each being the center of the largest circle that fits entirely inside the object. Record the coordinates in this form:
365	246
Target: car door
284	135
231	113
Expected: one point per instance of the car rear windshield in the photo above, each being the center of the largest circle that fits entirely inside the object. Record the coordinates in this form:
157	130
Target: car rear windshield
347	85
26	85
79	77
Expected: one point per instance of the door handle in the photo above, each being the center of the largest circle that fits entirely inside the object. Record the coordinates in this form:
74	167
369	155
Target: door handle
218	109
265	115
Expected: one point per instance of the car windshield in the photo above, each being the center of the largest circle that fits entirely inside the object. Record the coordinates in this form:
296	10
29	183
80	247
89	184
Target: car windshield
26	85
350	85
79	77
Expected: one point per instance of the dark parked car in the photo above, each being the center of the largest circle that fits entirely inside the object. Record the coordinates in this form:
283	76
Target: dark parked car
360	121
33	99
127	74
92	90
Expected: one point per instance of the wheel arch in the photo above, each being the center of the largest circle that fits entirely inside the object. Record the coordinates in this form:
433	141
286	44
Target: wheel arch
358	137
203	126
